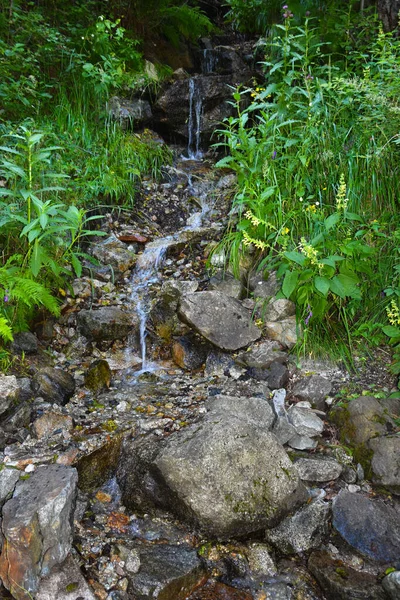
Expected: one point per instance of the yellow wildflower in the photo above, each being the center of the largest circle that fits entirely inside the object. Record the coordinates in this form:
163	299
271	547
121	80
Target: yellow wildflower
393	313
341	199
309	251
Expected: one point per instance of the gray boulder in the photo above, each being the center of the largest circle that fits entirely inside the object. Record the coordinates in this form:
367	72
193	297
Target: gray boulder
220	319
370	526
129	113
114	253
165	572
362	419
24	342
54	385
262	355
385	462
108	323
305	421
302	531
391	585
341	582
286	332
9	392
227	284
277	310
65	582
264	285
318	469
227	474
37	528
8	481
313	389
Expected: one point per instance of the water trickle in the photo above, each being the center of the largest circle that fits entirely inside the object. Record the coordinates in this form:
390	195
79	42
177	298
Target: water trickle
210	60
145	274
194	123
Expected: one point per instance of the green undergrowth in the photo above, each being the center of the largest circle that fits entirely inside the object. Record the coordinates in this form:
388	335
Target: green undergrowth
315	146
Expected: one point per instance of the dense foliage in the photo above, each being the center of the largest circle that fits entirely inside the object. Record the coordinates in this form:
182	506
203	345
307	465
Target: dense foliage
61	153
315	146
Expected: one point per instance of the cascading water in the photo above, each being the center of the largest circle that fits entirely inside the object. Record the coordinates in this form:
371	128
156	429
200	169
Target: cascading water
210	60
194	123
145	274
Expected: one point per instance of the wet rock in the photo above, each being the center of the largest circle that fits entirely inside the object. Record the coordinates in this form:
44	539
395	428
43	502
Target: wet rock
98	466
172	107
285	332
193	475
106	323
173	290
391	585
262	355
362	419
24	342
317	469
220	319
54	385
25	392
50	422
37	528
189	353
129	113
385	463
114	253
8	481
305	421
371	527
302	531
260	561
277	310
219	591
98	376
227	284
166	573
9	392
340	582
264	285
313	389
65	582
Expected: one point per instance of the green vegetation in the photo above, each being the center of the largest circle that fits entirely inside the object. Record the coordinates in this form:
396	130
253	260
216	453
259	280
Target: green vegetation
61	154
315	146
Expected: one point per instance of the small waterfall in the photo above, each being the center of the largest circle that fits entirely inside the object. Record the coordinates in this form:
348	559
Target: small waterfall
146	273
194	123
210	60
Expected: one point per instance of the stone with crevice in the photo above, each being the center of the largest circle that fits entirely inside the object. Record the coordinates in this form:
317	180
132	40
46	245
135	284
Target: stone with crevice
220	319
37	528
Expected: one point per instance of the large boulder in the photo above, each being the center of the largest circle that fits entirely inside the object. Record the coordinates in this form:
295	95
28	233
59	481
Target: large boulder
370	526
54	385
129	113
385	463
227	474
362	419
37	528
107	323
341	582
222	320
9	392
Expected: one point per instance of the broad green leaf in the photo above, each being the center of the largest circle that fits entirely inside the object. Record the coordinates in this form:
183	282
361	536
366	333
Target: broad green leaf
354	217
296	257
322	285
37	256
344	286
332	220
391	331
290	282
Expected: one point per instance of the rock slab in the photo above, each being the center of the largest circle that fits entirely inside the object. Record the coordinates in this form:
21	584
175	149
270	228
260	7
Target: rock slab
37	528
222	320
371	527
